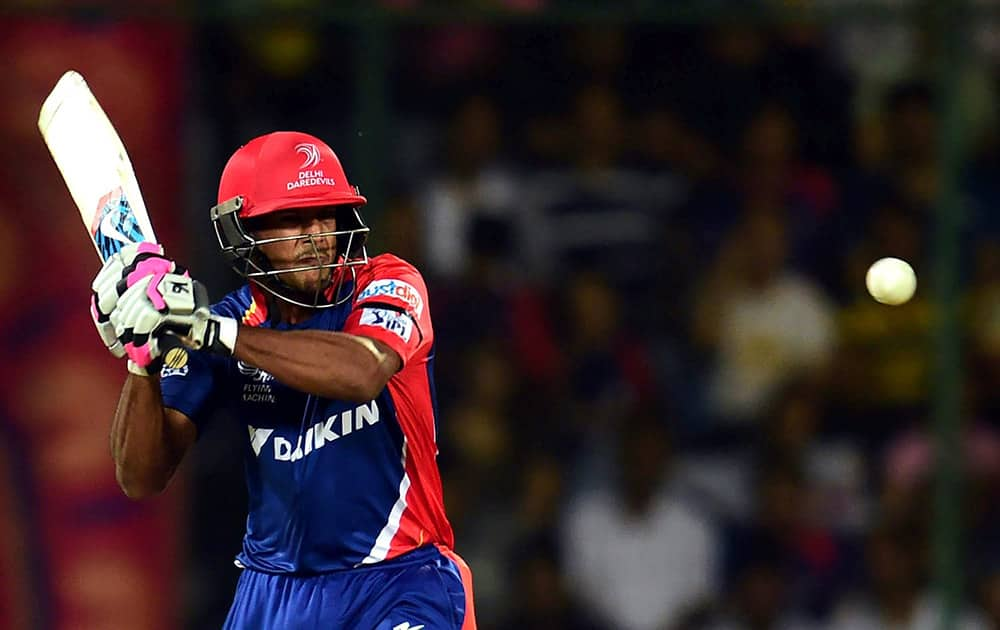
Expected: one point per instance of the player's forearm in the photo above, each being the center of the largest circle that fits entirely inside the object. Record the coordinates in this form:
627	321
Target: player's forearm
139	446
324	363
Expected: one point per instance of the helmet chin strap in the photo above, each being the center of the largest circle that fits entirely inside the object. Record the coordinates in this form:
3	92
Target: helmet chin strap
330	294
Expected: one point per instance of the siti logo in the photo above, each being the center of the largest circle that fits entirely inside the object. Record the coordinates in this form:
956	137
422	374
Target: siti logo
311	153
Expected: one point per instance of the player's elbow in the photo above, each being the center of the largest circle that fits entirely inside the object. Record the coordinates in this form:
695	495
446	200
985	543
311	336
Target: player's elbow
362	390
137	485
366	385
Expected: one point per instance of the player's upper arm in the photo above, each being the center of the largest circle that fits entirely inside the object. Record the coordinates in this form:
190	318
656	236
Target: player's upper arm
391	308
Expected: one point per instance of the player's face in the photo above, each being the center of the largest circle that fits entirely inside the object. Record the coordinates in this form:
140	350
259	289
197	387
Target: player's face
300	252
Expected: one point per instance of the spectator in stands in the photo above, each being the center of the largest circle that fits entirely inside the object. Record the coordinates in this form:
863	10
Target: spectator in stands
762	322
896	594
984	328
811	559
541	599
606	365
592	211
833	465
638	554
759	600
477	184
987	589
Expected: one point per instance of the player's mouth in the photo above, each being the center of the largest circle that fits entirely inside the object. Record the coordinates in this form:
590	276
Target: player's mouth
324	258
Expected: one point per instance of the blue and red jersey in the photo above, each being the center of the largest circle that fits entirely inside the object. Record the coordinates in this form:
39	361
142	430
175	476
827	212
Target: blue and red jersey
332	484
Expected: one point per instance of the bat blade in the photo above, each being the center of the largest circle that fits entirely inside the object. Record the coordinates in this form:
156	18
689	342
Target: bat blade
95	166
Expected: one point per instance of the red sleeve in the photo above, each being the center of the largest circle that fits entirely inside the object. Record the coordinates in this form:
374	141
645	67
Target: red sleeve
391	306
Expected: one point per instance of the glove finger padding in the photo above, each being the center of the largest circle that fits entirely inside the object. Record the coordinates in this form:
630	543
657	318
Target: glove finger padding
104	285
105	329
155	307
134	319
147	264
103	300
132	262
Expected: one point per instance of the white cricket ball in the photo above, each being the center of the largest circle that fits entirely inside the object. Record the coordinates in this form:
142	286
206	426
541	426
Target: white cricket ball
891	281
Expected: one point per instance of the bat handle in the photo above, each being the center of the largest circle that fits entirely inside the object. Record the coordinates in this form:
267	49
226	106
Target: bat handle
168	341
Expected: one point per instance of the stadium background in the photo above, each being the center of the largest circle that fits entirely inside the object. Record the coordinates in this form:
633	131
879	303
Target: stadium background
666	400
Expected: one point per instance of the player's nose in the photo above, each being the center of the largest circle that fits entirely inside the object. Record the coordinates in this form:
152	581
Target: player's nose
319	223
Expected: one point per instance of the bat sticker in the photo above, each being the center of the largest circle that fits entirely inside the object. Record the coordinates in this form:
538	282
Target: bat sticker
115	225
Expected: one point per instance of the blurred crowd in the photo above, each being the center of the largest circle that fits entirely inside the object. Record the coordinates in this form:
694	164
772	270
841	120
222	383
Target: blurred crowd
667	402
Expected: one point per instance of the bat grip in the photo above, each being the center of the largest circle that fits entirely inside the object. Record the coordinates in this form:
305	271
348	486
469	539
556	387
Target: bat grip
168	341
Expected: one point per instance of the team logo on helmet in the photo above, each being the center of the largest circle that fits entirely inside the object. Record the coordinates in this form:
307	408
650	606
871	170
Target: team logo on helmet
311	153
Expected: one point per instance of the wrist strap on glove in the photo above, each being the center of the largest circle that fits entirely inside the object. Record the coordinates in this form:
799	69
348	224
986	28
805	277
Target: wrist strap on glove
220	335
212	333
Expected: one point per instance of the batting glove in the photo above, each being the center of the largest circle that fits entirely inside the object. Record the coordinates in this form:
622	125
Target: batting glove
159	312
132	263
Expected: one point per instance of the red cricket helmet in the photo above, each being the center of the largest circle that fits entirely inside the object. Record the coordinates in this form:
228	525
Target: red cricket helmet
280	171
286	169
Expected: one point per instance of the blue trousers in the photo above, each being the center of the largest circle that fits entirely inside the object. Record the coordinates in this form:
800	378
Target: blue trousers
423	589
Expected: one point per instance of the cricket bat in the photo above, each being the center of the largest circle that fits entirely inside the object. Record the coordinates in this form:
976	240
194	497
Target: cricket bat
93	162
97	170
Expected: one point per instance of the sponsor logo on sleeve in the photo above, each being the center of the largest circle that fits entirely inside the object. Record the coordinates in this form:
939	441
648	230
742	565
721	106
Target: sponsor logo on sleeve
167	372
397	289
175	363
393	321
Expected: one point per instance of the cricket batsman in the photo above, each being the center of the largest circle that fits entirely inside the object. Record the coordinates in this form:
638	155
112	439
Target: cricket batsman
326	356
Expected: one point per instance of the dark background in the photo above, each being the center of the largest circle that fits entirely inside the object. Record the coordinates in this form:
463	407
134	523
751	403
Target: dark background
667	401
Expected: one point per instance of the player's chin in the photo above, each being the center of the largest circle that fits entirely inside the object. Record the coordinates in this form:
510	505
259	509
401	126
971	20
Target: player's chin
309	282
